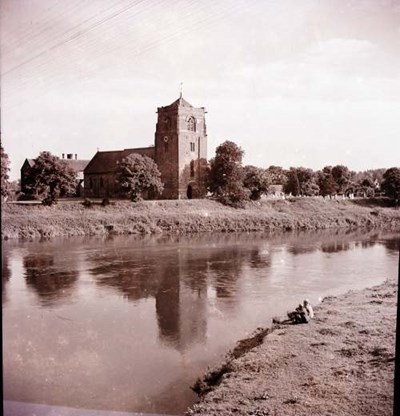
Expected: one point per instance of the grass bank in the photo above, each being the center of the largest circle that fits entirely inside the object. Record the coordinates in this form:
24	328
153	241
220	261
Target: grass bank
341	363
71	218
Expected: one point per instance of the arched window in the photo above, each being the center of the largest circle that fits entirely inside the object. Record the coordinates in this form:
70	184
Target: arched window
165	140
191	124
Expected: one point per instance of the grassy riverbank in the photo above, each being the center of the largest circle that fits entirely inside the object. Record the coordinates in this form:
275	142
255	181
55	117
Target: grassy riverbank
341	363
71	218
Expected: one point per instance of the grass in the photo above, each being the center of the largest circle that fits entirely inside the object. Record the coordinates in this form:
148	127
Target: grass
71	218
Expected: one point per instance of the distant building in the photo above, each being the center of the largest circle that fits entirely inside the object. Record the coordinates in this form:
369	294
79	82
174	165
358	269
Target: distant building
78	166
180	152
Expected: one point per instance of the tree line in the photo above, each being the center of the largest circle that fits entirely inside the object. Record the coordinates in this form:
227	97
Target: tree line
233	184
227	179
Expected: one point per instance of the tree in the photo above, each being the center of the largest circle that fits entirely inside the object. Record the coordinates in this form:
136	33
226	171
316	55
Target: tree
292	185
341	175
326	182
257	181
226	175
5	168
137	174
367	187
301	181
277	175
50	178
391	184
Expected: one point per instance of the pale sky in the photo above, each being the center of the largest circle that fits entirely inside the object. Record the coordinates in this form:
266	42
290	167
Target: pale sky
293	82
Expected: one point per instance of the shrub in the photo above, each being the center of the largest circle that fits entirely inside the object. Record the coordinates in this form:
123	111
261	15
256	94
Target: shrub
87	203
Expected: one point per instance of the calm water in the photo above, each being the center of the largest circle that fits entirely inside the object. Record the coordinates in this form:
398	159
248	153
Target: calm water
128	324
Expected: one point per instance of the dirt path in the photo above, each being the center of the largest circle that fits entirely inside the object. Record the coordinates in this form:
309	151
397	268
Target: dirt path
342	363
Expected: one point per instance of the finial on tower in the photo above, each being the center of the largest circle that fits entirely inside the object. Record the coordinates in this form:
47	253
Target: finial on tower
181	90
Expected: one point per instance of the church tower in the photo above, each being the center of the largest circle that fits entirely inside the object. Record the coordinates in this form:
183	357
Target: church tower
181	149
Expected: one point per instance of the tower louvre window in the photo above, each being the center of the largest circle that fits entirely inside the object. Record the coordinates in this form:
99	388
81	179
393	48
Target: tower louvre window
191	124
192	146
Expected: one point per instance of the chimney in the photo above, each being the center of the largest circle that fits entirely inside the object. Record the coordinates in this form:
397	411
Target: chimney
76	156
69	156
63	155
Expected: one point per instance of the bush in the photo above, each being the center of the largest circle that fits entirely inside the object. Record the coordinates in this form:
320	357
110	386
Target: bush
87	203
49	200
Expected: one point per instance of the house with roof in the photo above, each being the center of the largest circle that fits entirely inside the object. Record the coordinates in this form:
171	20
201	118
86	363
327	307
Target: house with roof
77	165
180	152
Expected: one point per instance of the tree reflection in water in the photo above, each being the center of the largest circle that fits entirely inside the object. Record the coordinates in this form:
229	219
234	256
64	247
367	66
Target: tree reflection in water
51	281
336	247
5	274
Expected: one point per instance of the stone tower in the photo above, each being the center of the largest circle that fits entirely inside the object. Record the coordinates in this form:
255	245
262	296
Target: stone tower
181	149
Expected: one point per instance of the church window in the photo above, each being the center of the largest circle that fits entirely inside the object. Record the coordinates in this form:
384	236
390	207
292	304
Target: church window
192	169
167	122
165	140
90	183
101	183
191	124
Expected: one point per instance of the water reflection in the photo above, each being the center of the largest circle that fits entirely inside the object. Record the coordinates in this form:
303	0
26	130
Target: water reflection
335	247
134	279
225	268
260	257
392	244
51	281
142	318
5	274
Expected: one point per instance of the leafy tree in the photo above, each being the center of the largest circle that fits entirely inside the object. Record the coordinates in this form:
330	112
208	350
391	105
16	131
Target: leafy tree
5	168
277	175
257	181
367	187
326	182
227	174
342	176
301	181
50	178
391	184
292	185
137	174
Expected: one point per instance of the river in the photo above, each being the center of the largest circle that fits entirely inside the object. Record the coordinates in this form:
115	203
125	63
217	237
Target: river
128	324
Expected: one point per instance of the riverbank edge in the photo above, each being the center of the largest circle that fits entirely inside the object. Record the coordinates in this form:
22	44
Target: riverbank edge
71	218
252	378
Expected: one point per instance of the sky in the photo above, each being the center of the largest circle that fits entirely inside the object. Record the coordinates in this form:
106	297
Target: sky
294	83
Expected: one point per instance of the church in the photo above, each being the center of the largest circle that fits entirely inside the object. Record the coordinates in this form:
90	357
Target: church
180	152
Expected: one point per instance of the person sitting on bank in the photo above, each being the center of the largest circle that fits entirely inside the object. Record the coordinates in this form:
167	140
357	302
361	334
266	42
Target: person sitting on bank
308	308
299	315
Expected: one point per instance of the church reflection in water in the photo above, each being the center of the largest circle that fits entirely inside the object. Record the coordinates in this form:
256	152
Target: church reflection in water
178	279
188	279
